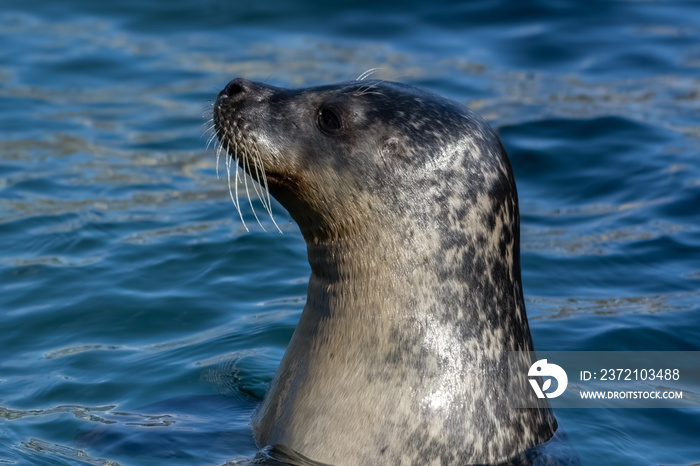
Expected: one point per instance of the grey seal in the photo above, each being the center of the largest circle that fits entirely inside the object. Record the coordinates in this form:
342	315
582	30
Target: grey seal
408	206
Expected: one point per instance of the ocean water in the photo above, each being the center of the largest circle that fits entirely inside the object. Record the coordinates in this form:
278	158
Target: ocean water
140	322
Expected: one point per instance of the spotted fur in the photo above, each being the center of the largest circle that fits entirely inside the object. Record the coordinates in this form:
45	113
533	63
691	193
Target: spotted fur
410	215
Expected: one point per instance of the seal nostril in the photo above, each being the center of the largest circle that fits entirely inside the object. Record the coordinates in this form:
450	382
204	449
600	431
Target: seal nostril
234	88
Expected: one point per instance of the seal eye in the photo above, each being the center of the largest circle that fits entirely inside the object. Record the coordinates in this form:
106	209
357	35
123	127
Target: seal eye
328	120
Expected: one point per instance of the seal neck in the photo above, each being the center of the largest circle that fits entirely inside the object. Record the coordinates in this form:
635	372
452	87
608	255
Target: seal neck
366	255
468	288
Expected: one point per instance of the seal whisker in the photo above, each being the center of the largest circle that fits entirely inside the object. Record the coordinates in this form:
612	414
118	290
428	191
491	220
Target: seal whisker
210	124
213	137
268	205
219	146
245	157
263	192
238	205
245	183
236	202
230	192
259	174
367	73
235	147
249	157
209	141
370	93
365	90
259	161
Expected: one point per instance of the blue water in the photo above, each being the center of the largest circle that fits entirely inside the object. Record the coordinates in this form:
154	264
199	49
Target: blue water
141	323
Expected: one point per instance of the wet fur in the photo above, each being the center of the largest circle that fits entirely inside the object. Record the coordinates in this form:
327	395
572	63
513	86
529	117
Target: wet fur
410	215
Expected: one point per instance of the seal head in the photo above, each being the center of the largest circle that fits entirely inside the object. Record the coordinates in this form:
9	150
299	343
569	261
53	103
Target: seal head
408	206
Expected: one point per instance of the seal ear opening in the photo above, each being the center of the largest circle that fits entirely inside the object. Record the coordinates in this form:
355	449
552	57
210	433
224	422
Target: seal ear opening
392	147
